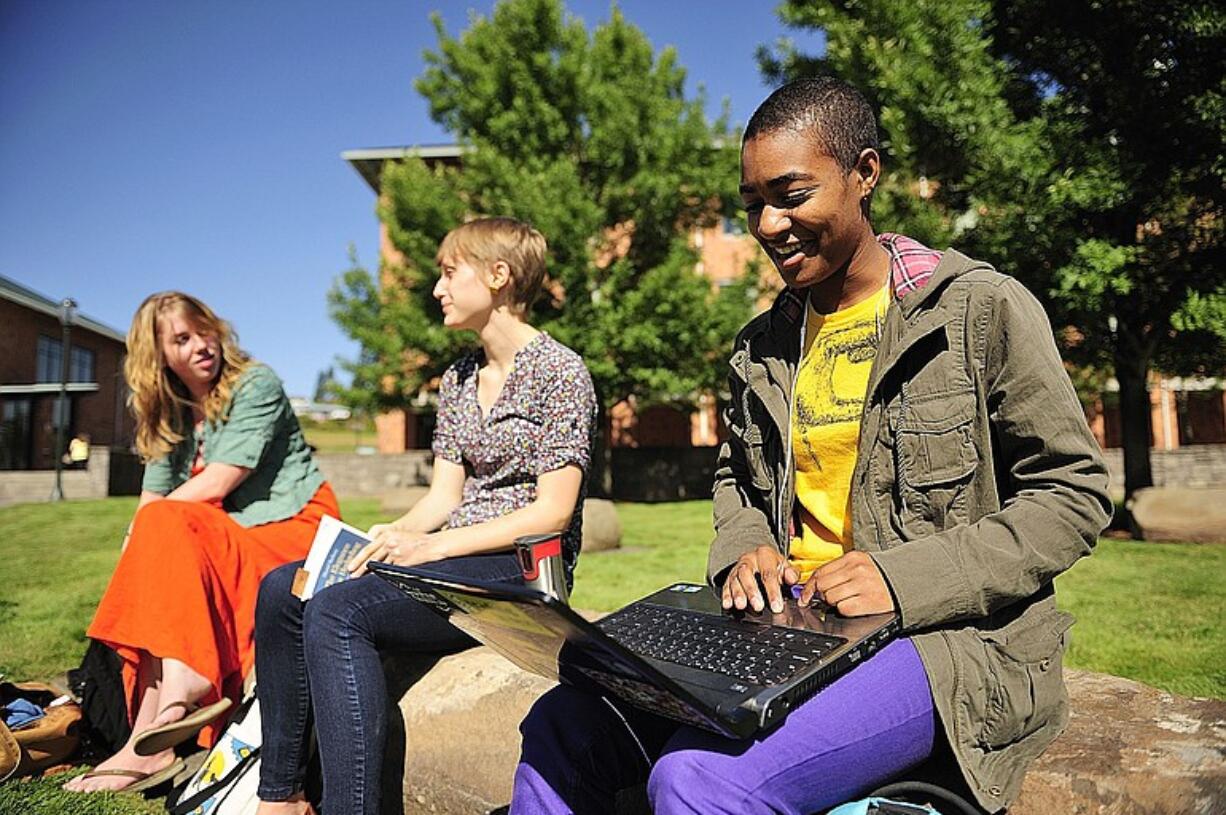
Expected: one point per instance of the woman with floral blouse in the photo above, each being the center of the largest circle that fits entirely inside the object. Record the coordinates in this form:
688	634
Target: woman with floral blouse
511	452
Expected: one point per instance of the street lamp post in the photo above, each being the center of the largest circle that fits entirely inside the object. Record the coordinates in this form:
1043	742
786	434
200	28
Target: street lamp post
68	311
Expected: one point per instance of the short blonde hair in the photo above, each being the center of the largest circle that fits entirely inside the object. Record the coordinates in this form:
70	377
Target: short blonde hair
159	400
485	241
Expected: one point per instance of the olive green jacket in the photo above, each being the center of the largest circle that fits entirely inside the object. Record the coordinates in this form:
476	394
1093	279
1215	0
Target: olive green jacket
977	483
259	431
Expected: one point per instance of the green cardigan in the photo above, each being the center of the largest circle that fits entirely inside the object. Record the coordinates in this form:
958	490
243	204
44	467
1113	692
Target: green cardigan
259	431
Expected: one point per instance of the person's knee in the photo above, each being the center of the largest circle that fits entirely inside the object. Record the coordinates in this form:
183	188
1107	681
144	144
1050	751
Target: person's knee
543	724
162	517
683	782
276	595
559	721
330	618
186	525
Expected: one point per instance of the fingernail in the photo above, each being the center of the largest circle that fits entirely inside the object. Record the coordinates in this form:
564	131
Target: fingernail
776	607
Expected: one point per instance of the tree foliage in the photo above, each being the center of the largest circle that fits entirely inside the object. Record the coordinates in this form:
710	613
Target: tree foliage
588	136
1076	145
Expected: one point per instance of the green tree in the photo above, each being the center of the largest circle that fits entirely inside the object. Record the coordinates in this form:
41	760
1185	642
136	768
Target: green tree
1077	145
588	136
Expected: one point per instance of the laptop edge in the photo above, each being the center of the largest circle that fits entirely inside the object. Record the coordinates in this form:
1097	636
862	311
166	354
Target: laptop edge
588	657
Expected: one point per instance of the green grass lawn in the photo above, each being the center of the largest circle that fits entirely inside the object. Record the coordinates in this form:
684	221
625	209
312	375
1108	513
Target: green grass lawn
43	796
333	438
1147	611
1151	612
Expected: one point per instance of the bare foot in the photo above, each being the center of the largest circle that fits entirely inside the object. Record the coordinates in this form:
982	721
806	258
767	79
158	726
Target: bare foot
125	759
171	713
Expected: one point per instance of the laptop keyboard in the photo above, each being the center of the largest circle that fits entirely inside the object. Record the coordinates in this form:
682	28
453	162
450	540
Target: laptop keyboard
761	654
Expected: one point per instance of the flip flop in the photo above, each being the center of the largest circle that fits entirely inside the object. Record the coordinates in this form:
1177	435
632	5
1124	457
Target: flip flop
156	739
141	781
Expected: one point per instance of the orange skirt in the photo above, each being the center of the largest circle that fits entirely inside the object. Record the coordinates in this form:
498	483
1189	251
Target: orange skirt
185	588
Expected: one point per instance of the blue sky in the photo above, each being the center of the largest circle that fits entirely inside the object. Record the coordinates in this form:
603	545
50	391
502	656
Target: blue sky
196	146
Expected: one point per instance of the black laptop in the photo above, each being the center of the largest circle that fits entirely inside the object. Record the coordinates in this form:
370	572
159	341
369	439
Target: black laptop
676	653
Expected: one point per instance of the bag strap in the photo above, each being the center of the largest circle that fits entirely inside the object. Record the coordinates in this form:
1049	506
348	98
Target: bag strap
941	795
186	805
182	806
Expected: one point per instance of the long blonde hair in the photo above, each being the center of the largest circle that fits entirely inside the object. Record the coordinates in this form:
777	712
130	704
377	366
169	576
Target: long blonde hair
159	400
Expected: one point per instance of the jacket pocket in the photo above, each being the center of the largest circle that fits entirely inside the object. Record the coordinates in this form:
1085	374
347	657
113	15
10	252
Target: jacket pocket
1024	682
935	459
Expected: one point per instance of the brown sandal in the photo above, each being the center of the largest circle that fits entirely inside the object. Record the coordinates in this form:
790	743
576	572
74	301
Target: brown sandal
141	781
156	739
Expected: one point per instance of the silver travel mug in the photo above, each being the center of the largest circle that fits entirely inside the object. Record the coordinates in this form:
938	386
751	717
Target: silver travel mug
540	560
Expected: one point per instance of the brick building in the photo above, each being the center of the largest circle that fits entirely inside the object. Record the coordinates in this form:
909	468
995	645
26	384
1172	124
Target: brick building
1183	412
724	250
30	358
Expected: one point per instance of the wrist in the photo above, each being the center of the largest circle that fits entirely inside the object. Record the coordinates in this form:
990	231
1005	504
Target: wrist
441	544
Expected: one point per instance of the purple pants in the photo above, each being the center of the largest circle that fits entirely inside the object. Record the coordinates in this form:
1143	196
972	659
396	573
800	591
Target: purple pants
868	726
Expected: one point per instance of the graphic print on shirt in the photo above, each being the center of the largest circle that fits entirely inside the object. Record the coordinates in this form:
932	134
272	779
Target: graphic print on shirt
827	392
829	398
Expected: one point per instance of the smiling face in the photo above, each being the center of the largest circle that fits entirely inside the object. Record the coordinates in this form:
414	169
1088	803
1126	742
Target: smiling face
464	293
191	352
804	209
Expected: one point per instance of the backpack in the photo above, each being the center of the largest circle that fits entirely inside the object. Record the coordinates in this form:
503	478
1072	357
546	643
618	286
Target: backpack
226	782
98	683
48	739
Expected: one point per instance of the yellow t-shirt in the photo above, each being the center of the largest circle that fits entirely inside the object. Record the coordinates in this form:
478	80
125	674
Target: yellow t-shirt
826	409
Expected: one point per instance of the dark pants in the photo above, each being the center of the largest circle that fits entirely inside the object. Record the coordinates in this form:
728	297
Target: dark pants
322	660
580	752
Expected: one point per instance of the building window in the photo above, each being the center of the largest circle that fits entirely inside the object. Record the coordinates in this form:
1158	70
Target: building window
61	411
81	365
732	226
80	362
48	360
15	434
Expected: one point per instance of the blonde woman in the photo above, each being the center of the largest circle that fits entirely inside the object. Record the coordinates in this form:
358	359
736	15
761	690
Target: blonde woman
511	451
230	492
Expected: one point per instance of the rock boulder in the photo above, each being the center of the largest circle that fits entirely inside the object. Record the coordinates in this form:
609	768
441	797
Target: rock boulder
602	529
1180	514
1129	749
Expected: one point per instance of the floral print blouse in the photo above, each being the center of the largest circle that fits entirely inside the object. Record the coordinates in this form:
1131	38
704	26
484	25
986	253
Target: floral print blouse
543	420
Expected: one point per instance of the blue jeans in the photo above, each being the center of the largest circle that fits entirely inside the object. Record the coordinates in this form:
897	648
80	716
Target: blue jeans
868	726
321	660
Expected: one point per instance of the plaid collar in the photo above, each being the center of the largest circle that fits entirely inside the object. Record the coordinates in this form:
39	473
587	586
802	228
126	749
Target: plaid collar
911	268
911	263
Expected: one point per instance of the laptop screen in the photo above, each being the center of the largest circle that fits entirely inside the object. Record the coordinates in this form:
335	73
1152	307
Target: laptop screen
518	624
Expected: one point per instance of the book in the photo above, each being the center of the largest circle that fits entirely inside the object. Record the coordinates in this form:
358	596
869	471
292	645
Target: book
335	544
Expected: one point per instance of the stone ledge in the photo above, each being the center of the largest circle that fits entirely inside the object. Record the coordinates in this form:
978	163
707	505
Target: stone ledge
1179	514
1129	749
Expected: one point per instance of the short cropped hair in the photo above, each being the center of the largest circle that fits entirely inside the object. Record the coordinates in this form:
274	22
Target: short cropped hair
485	241
829	111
